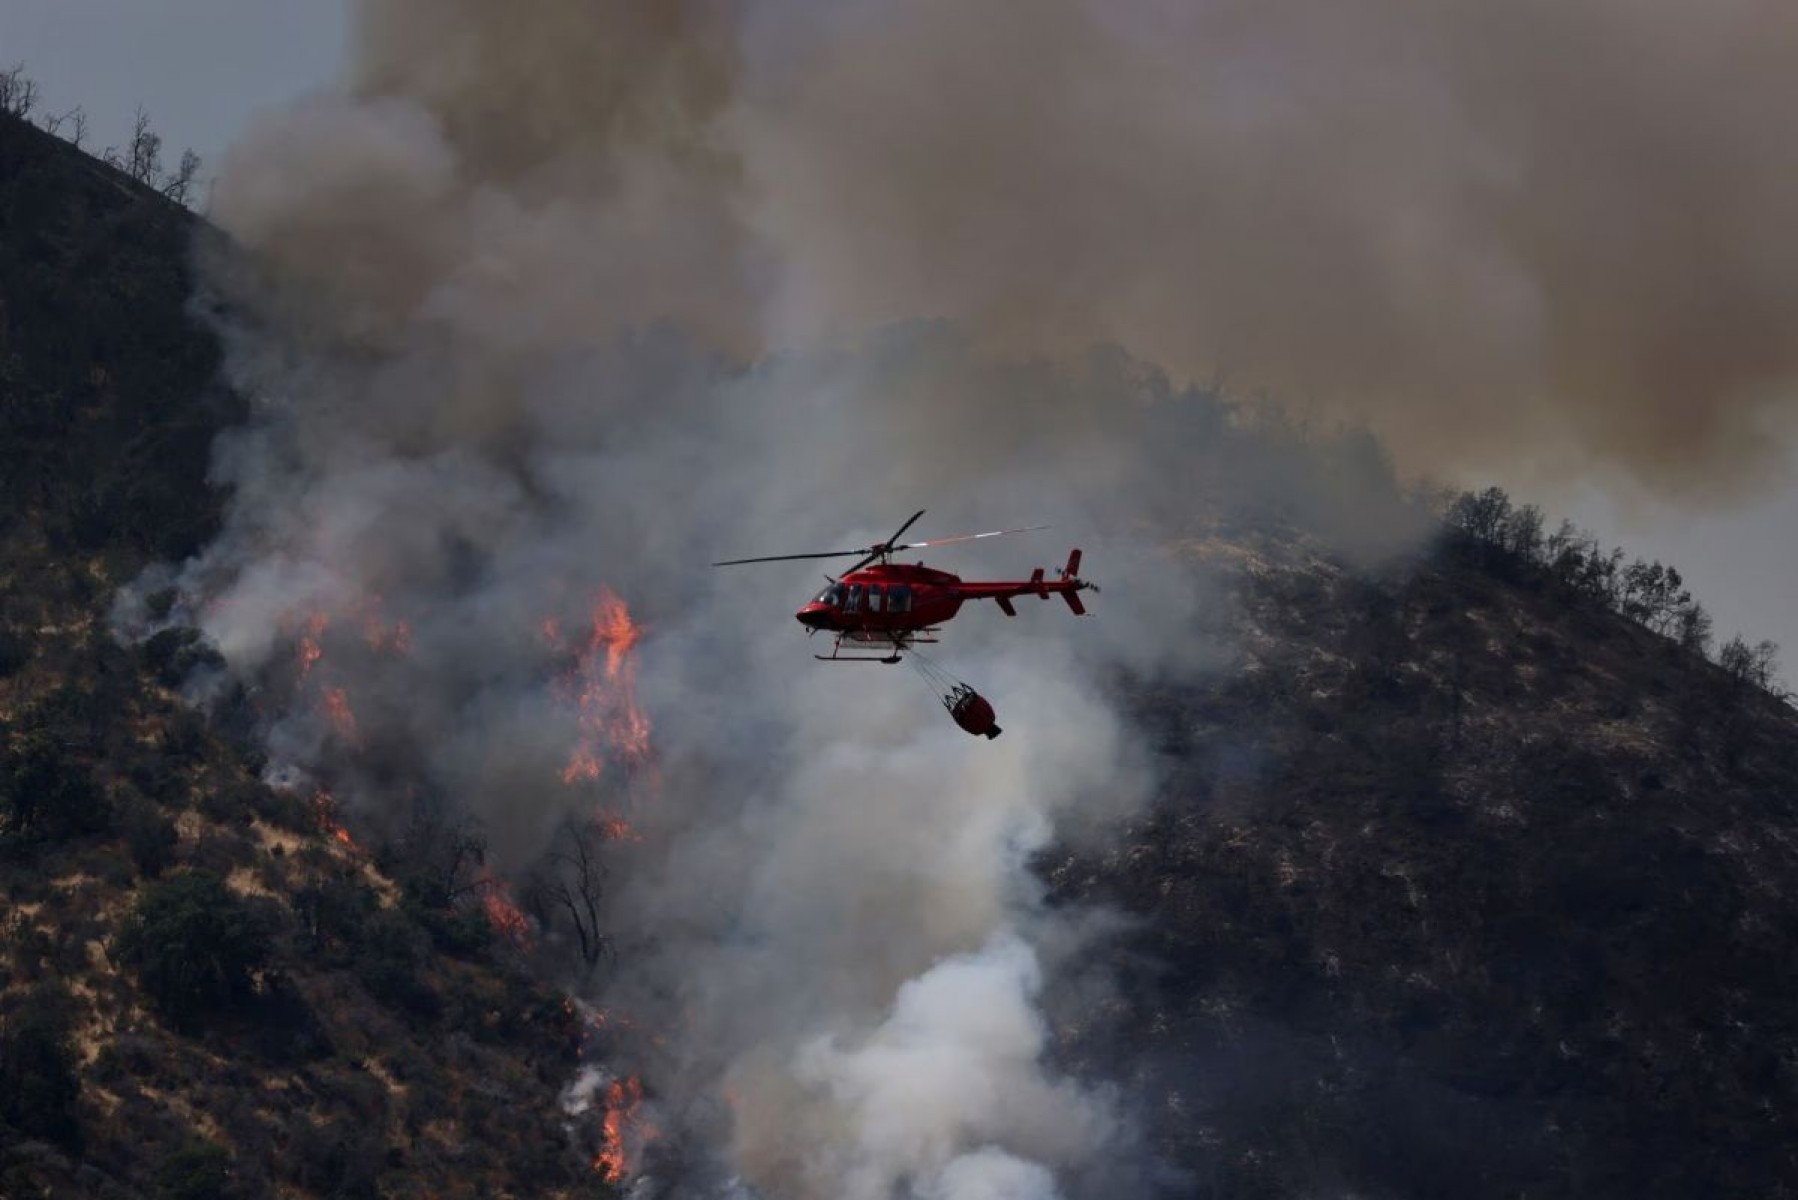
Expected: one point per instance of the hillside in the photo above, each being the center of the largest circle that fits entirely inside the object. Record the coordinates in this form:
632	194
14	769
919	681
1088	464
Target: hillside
204	991
1461	881
1465	886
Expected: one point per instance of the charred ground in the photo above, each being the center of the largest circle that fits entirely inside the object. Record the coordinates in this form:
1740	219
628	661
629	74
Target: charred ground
1463	881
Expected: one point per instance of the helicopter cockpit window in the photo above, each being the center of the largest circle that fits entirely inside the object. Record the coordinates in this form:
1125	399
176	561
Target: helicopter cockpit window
876	597
854	604
832	595
899	598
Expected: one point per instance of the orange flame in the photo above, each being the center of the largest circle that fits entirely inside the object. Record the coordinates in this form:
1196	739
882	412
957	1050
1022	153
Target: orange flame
324	805
616	828
506	918
311	649
621	1133
380	636
343	718
613	726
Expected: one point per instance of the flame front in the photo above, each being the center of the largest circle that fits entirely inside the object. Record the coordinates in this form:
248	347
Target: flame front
311	646
343	718
324	806
382	637
621	1133
503	915
612	725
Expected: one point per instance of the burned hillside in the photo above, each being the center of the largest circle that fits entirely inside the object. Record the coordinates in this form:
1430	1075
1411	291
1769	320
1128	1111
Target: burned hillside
1463	882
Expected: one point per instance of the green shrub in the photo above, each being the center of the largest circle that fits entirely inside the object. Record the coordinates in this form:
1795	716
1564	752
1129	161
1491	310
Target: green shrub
391	954
15	652
464	933
194	945
160	778
149	836
44	793
18	1182
174	654
286	1031
39	1087
160	603
184	740
198	1172
333	913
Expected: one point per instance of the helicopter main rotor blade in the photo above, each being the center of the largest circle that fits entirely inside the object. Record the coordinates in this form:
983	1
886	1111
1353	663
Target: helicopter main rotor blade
733	562
891	542
968	537
880	550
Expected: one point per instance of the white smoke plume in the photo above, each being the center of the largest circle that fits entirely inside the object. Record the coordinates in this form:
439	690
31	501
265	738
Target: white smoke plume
961	1050
574	296
470	429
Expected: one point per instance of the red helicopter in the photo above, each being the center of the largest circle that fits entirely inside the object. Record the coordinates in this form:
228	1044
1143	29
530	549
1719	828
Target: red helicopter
896	606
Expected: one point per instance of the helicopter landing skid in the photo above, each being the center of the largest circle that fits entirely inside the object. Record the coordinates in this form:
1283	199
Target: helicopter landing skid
899	647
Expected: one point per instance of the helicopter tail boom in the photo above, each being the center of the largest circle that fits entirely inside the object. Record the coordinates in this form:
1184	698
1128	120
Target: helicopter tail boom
1067	584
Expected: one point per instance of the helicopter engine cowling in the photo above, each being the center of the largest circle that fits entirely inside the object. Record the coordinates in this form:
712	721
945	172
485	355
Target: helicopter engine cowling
972	712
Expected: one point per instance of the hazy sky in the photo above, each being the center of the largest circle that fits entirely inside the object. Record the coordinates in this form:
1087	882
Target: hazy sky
204	68
200	68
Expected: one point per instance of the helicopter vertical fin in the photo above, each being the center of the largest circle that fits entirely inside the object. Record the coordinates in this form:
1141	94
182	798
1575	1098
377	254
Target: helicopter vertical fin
1073	599
1072	570
1005	606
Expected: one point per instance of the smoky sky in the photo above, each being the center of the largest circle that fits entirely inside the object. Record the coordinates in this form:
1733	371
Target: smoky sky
1540	235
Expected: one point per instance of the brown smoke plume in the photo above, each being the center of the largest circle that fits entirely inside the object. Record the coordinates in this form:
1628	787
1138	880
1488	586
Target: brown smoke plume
1534	233
1540	234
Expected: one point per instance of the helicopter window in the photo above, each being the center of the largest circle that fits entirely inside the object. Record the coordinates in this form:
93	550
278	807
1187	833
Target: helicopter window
832	595
854	604
876	597
899	598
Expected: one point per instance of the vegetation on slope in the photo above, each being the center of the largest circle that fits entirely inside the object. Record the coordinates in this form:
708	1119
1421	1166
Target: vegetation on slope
202	992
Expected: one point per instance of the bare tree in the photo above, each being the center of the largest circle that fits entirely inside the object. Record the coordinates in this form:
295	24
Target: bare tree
1757	665
576	884
1482	515
144	162
77	126
439	858
18	92
1693	628
179	186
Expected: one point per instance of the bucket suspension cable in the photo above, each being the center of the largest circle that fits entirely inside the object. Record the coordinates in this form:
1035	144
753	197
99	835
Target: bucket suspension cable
966	707
933	674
